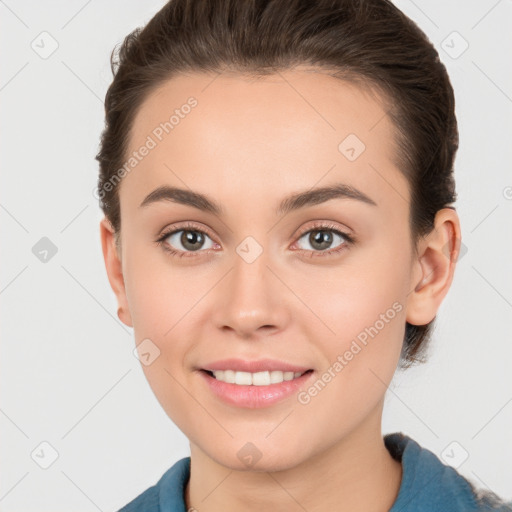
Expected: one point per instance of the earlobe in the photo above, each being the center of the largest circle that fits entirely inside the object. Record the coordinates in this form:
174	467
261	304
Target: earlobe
113	266
434	268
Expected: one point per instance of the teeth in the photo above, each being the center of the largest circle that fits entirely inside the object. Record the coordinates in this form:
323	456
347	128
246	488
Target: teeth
255	379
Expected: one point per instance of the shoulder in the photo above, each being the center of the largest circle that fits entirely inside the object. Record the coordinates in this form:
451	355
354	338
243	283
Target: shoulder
166	495
429	485
145	502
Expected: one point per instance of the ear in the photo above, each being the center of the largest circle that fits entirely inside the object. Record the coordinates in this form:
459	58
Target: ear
114	269
434	268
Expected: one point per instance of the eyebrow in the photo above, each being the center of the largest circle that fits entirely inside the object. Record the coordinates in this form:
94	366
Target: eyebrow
294	202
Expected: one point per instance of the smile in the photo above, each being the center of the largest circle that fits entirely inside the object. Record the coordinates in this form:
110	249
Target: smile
264	378
254	390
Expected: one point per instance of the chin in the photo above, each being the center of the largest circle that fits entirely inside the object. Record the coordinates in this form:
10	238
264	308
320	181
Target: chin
250	458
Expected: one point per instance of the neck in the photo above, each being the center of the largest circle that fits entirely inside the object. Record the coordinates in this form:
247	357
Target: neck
356	474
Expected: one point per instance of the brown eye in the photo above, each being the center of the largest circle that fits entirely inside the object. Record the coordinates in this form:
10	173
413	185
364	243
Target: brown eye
188	240
323	239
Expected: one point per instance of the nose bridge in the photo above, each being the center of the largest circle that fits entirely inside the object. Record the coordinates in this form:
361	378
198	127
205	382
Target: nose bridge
249	281
252	295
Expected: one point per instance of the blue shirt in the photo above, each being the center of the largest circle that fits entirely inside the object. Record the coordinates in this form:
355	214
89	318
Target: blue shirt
427	485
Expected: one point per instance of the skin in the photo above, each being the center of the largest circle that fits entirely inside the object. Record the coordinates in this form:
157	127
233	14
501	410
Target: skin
248	144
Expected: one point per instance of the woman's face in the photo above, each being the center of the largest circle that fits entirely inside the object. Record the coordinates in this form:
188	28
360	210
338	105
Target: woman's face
266	276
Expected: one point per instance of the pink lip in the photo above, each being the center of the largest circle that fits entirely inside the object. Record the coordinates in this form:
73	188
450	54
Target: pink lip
254	366
253	397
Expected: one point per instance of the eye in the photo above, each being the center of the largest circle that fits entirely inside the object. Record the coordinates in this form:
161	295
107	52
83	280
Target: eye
322	238
185	241
190	240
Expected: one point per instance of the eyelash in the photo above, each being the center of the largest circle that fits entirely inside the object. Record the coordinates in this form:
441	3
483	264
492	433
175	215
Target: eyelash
318	226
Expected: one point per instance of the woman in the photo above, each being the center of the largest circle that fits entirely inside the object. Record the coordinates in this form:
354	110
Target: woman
279	231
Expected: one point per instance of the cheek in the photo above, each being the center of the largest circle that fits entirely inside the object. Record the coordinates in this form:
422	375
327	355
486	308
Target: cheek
359	312
347	300
158	294
367	314
167	305
161	302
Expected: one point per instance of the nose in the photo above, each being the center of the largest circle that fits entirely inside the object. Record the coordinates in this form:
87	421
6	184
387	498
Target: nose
251	301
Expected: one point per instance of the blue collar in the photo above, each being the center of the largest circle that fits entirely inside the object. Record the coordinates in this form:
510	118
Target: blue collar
427	484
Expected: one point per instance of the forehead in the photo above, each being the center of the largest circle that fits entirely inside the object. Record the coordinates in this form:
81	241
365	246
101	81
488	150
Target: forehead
280	132
302	99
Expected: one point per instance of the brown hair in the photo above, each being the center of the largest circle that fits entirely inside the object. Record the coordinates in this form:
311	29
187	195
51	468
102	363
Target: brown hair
370	42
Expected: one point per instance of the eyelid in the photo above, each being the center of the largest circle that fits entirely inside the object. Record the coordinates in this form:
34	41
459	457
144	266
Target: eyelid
325	225
183	226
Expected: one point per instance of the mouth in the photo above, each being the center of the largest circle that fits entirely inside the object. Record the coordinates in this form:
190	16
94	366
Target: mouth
255	390
262	378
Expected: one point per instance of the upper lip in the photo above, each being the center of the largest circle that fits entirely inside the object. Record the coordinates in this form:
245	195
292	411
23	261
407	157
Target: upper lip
260	365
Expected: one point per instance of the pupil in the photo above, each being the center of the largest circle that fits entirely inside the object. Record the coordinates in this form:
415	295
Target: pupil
323	238
189	238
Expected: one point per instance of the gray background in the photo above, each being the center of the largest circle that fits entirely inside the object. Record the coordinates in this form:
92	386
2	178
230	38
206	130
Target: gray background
69	378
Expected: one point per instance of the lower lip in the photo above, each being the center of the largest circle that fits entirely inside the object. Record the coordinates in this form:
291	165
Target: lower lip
254	397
